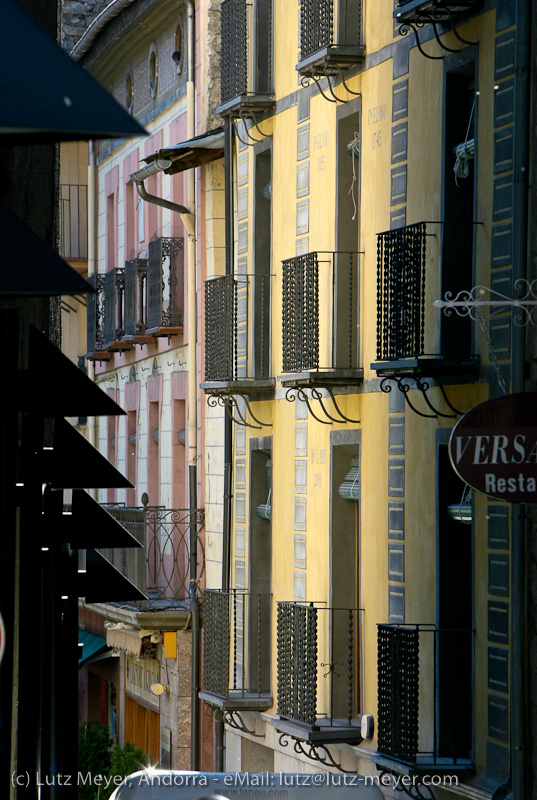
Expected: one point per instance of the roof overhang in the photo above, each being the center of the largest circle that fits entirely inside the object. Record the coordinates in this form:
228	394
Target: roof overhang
188	155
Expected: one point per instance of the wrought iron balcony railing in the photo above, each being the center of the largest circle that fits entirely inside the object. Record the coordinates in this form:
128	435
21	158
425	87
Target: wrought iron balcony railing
320	313
136	297
246	55
73	221
237	329
165	286
434	10
330	35
318	672
401	261
161	570
425	695
236	649
114	310
95	320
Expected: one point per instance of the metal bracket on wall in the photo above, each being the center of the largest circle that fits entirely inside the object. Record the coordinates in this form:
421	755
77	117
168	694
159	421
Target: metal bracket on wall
316	394
437	17
231	718
318	753
404	385
249	116
470	303
229	402
321	73
411	788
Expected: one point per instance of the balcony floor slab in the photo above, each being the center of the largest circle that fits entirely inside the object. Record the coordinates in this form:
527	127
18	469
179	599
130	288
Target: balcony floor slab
237	701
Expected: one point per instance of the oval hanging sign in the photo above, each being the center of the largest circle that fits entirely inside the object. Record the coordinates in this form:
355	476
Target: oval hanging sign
493	448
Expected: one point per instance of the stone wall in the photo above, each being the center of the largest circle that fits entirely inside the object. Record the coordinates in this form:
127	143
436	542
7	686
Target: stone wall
77	15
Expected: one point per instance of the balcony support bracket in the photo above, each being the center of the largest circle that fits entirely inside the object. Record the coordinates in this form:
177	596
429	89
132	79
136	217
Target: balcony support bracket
328	73
248	115
230	404
233	719
318	753
414	790
434	19
404	385
316	394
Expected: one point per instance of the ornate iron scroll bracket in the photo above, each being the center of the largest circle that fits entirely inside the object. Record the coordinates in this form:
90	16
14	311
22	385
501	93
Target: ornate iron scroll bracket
437	17
247	115
412	789
321	73
470	303
404	385
230	404
318	753
233	719
317	395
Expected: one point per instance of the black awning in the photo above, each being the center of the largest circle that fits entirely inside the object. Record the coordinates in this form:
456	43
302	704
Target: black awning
70	394
193	153
28	267
46	96
73	463
103	583
90	525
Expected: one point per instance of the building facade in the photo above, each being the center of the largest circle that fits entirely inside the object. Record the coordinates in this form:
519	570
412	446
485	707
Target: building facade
377	162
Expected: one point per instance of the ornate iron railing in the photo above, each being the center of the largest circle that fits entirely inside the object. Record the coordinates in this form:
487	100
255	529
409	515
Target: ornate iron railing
95	315
424	693
246	48
236	643
329	23
237	327
317	645
401	257
161	570
165	291
114	298
73	221
135	296
320	293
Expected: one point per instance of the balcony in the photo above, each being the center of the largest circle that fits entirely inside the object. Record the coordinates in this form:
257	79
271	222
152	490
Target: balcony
246	57
320	320
165	287
73	221
161	570
95	321
438	10
237	335
136	301
409	340
114	307
330	36
236	650
318	673
425	705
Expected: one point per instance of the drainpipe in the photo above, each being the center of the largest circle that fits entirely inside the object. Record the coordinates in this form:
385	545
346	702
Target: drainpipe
189	220
519	629
228	429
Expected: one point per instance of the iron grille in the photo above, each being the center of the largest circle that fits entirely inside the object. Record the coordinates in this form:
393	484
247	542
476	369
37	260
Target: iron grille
329	23
236	641
135	296
165	283
114	290
95	314
300	313
302	663
401	258
398	691
73	221
162	568
221	329
422	666
234	50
